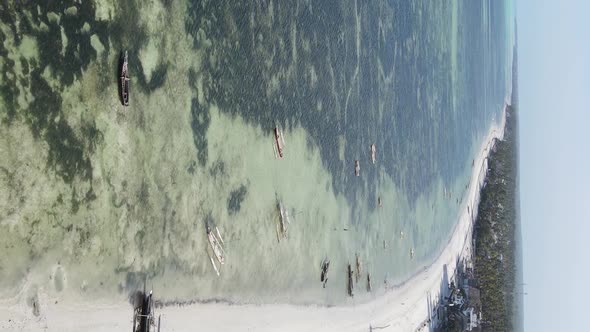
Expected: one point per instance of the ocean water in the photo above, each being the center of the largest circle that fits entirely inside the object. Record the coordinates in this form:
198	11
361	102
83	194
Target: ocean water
95	197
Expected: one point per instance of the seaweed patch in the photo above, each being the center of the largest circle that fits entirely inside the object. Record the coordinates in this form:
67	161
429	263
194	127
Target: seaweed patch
200	120
218	169
158	76
64	48
66	151
235	199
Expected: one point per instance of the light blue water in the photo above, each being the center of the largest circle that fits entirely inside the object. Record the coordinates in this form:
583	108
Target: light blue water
113	195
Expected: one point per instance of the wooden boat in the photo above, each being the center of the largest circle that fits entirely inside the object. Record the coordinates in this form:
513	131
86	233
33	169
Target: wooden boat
368	282
357	168
412	253
279	143
214	266
324	274
219	235
124	81
358	268
283	221
350	281
373	150
216	246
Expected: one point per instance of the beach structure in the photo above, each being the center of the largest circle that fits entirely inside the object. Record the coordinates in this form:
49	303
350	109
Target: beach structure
456	298
460	308
124	80
143	313
473	320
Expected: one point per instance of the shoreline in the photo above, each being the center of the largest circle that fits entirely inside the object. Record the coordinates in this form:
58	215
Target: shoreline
401	307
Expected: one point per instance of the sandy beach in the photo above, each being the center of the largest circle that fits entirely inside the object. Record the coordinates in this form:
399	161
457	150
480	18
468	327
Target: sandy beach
400	308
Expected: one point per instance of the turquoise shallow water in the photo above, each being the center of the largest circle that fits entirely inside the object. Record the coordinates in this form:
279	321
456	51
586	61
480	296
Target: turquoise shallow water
97	197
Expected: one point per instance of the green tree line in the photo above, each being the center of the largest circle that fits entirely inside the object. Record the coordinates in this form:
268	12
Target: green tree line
494	232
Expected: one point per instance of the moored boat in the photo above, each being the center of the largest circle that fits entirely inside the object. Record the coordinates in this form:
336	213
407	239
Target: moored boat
219	235
357	168
216	246
279	142
358	268
124	80
373	150
214	266
324	274
350	281
283	221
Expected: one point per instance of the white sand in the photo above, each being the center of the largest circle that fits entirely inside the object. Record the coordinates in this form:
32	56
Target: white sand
403	308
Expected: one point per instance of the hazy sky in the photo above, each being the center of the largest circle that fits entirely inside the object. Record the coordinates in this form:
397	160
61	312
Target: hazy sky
554	83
